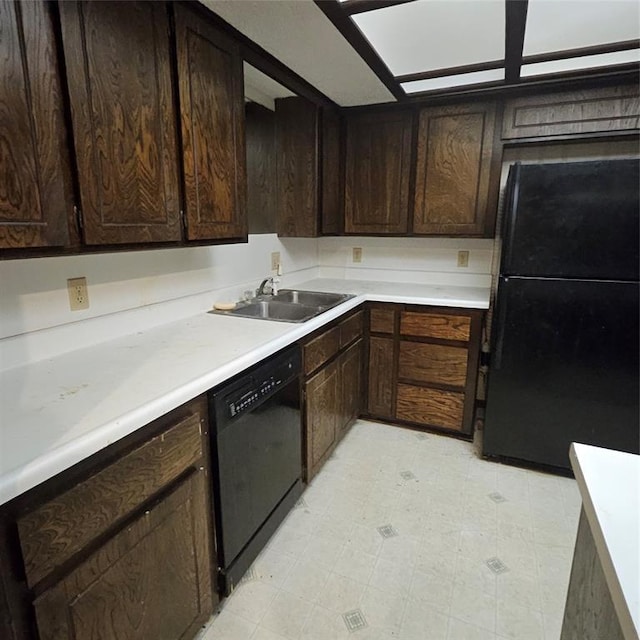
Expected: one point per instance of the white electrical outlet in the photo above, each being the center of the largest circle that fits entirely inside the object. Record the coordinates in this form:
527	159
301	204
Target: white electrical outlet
357	254
463	258
78	294
275	260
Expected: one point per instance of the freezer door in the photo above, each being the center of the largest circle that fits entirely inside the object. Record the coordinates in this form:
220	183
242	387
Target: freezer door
564	368
573	220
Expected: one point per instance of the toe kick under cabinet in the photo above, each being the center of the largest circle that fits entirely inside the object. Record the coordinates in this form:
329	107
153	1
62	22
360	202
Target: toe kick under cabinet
423	365
118	546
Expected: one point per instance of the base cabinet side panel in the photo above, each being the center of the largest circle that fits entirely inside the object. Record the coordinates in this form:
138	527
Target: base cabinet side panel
589	611
351	376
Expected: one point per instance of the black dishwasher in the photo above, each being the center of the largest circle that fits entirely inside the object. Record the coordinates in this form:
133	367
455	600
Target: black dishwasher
257	459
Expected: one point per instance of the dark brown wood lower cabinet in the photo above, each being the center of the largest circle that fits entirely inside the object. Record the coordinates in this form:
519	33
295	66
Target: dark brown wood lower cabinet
423	365
380	397
333	362
148	581
322	415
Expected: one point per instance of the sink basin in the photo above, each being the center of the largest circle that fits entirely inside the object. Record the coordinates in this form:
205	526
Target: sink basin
311	298
290	305
275	310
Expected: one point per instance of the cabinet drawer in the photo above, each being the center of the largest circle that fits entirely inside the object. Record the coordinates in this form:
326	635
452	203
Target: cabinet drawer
430	406
431	325
55	531
320	349
381	320
424	362
151	580
350	329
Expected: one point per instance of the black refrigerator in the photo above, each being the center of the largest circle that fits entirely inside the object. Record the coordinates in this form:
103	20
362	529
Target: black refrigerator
564	340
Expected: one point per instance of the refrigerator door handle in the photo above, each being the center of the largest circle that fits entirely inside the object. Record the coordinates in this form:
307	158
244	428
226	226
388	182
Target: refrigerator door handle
501	313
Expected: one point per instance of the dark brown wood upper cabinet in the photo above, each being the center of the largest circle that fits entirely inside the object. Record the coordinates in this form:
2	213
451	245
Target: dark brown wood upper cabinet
35	193
119	76
210	81
332	210
297	167
453	170
378	157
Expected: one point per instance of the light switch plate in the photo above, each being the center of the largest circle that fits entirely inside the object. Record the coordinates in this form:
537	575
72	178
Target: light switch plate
357	254
275	260
463	258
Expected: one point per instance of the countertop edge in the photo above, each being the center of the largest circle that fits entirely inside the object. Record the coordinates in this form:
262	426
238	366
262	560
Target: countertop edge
15	482
618	595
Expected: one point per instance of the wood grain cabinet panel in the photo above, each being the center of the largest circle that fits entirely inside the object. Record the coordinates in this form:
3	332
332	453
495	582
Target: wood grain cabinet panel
331	207
378	158
382	320
151	580
381	378
351	383
433	363
432	325
600	110
351	328
210	81
424	405
323	411
297	122
51	534
319	349
35	190
119	78
454	161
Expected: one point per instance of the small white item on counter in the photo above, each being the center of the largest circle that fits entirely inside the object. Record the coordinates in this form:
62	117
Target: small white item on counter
224	306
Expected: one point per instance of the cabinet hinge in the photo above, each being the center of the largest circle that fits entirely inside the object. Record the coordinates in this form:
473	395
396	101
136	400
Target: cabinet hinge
79	221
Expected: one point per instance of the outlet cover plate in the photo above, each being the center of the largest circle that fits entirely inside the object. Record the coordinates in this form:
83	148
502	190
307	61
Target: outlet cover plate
275	260
78	294
357	254
463	258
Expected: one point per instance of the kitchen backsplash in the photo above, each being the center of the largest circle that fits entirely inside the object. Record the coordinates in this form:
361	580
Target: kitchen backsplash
129	292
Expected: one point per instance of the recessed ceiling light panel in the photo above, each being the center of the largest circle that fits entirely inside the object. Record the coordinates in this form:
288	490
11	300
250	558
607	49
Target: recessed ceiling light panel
580	63
458	80
435	34
559	25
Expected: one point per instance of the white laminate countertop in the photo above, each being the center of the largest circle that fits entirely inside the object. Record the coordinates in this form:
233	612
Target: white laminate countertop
609	483
56	412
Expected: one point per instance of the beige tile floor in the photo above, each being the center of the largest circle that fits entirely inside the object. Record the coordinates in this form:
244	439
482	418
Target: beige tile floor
475	550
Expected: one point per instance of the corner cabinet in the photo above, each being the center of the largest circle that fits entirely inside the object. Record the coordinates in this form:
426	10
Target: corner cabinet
377	170
210	82
456	180
308	169
119	546
423	365
36	203
332	388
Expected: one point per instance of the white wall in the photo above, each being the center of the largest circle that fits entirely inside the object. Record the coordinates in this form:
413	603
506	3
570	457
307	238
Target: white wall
132	291
415	260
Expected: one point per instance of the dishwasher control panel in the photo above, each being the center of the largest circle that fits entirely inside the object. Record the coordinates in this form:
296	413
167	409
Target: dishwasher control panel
250	398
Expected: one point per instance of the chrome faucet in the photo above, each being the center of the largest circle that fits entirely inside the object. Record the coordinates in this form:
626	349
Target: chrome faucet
273	285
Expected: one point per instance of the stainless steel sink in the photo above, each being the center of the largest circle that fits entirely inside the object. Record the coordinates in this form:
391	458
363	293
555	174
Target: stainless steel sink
290	305
311	298
275	310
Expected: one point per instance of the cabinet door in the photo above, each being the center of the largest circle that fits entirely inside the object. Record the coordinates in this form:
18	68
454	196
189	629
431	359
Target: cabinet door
351	376
211	89
381	379
331	174
35	194
152	580
377	173
117	59
453	170
297	167
322	415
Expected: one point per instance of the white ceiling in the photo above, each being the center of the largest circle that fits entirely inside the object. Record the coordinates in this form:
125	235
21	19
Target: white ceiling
427	35
298	34
260	88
